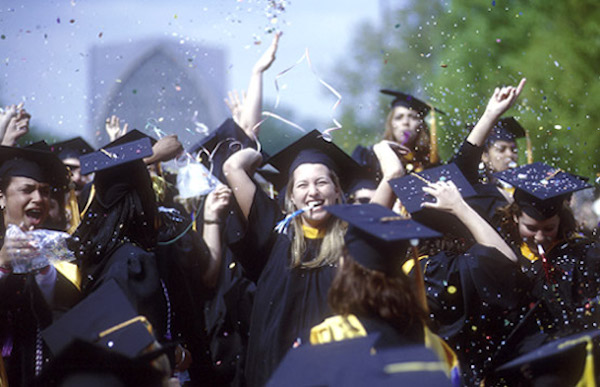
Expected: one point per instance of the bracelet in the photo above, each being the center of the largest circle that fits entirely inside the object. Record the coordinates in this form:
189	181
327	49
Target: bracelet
212	221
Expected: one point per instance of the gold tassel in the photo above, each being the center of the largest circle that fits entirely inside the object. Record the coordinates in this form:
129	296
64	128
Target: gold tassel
588	378
433	145
3	376
73	208
419	281
89	202
529	148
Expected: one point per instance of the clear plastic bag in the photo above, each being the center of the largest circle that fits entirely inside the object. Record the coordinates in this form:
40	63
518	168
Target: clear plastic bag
194	180
42	247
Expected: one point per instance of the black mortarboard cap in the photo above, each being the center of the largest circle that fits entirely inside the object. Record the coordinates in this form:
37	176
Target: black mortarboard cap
119	169
36	164
312	148
376	235
506	129
72	148
409	190
85	364
540	189
564	359
114	155
105	318
228	130
363	178
132	135
408	101
350	363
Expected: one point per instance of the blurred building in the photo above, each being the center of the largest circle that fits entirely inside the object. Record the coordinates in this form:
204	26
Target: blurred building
173	86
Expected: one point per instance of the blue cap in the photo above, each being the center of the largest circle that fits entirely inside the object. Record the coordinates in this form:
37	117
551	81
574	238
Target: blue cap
409	188
506	129
376	235
409	101
540	189
72	148
312	148
115	155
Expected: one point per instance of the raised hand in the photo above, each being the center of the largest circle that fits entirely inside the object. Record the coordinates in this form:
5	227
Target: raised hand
216	203
17	127
236	106
503	98
113	128
268	57
448	198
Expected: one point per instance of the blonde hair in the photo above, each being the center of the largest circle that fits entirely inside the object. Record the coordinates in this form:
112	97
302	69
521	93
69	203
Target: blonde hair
333	242
422	145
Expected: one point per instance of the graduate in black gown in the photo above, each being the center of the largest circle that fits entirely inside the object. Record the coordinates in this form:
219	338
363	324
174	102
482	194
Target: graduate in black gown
118	234
476	292
292	266
29	300
407	131
491	143
370	292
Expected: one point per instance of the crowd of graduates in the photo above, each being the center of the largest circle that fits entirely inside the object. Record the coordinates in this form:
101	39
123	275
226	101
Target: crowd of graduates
308	266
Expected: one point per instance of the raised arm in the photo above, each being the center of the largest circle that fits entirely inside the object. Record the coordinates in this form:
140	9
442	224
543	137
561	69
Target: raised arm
6	116
18	126
238	169
215	211
391	168
113	128
449	200
252	104
502	99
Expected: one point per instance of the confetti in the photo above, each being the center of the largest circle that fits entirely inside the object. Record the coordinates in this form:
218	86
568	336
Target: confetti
58	20
100	34
3	37
397	26
498	40
444	65
72	21
134	91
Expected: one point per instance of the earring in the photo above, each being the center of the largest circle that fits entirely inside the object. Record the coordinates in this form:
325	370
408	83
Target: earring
1	208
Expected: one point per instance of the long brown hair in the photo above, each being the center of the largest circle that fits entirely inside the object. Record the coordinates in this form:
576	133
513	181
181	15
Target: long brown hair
333	241
422	142
504	220
358	290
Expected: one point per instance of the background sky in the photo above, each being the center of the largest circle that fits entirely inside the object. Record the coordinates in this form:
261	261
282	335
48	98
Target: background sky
45	45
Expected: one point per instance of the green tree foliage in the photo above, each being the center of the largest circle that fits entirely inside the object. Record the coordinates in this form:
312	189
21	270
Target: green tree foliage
454	54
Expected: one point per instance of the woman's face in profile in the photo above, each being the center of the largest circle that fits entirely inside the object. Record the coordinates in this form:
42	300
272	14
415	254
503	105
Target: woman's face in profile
406	124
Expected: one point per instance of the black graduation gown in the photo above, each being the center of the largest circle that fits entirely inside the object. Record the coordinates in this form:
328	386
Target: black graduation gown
23	314
475	299
488	198
569	288
136	272
288	301
390	336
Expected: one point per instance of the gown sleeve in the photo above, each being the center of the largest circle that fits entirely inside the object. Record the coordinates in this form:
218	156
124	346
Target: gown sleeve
251	242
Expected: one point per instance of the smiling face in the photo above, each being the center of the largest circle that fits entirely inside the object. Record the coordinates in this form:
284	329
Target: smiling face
405	124
543	232
500	156
312	186
25	201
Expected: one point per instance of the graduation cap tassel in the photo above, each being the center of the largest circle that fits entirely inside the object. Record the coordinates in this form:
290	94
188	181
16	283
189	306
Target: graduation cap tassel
419	280
433	146
529	150
73	208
